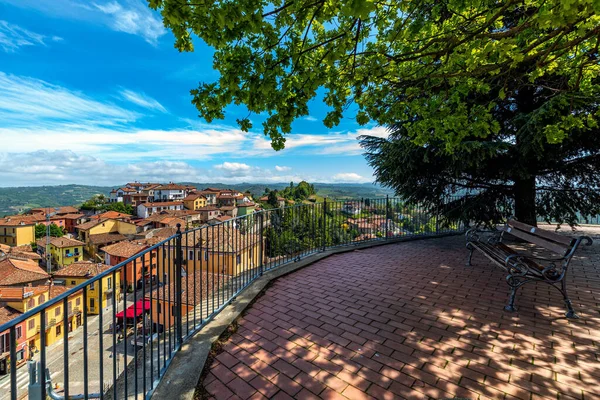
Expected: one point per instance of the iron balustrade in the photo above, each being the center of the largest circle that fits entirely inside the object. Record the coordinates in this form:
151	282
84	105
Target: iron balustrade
175	286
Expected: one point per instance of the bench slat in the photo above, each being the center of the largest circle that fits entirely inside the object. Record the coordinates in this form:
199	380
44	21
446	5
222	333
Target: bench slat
552	246
555	237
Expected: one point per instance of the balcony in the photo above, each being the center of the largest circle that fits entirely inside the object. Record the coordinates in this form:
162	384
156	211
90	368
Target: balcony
373	315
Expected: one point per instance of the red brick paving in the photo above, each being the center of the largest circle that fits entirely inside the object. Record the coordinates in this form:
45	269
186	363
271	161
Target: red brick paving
410	321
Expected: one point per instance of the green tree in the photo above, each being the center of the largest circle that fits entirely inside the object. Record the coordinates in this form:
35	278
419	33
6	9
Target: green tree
119	207
55	230
391	60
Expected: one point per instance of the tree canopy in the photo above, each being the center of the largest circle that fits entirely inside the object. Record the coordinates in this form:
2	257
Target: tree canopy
55	230
425	63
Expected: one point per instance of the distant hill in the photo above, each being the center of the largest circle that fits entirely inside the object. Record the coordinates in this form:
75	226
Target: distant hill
18	199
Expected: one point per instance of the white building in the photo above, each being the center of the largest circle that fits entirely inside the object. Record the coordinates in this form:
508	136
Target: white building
169	192
145	210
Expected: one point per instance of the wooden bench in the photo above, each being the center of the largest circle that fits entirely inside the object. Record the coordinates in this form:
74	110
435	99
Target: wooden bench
522	268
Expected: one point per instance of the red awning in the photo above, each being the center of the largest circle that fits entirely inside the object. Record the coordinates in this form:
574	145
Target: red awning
135	310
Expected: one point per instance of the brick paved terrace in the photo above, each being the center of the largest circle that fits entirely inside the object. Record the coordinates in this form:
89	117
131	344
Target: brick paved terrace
410	320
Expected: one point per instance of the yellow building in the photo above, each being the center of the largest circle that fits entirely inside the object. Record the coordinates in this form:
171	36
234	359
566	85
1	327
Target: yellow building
17	230
99	295
219	249
194	201
64	251
89	230
23	299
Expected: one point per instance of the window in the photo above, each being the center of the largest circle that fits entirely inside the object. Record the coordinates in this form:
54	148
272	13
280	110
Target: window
20	355
77	301
73	283
91	286
42	299
206	256
92	303
31	324
69	309
30	303
238	259
57	312
109	283
19	332
58	330
191	255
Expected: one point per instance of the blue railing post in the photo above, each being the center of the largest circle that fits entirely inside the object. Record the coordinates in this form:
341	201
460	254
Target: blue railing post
178	287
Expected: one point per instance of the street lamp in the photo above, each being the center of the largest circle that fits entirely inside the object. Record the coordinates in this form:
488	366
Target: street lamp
48	255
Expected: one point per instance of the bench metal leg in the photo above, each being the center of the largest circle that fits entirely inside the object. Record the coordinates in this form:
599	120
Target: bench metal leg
470	256
571	314
510	307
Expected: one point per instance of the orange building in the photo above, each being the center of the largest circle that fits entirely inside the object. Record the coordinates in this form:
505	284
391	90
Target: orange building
134	271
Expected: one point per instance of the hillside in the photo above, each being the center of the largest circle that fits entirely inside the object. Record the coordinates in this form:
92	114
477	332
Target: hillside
17	199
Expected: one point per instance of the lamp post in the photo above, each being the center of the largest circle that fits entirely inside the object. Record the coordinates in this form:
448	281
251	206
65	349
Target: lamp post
48	255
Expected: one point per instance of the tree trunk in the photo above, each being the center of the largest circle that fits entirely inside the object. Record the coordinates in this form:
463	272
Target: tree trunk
525	210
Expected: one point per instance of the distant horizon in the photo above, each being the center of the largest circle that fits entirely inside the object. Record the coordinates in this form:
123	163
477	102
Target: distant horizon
258	183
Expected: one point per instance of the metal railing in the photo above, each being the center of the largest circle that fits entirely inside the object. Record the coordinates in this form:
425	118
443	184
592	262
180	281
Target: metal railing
179	285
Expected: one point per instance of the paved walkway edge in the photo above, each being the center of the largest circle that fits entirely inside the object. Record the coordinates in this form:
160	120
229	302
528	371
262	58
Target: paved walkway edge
183	374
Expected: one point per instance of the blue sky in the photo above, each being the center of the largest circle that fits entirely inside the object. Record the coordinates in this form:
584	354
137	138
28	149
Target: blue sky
95	93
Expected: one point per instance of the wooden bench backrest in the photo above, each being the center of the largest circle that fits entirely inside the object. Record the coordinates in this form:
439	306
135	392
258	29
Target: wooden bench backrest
554	242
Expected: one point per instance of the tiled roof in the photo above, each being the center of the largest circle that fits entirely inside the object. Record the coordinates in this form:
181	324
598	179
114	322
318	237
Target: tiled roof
50	210
60	242
164	233
17	220
246	204
162	204
194	196
104	238
111	214
15	271
213	190
7	314
173	221
124	249
82	269
208	208
220	238
128	190
73	216
171	186
89	224
191	284
29	255
21	292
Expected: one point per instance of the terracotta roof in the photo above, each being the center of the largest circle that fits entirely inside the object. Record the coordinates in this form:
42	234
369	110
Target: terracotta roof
193	196
73	216
171	186
246	204
213	190
126	189
50	210
164	233
223	218
7	314
15	293
208	208
60	242
89	224
111	214
191	285
222	238
124	249
104	238
227	208
17	220
162	204
81	269
173	221
29	255
15	271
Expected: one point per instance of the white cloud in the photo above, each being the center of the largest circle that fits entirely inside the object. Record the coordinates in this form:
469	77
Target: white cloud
349	177
142	100
135	18
282	168
129	16
12	37
310	118
27	101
